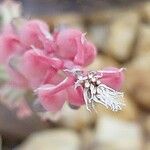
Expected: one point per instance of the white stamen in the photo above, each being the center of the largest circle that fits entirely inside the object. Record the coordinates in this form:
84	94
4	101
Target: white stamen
87	84
93	79
98	82
99	93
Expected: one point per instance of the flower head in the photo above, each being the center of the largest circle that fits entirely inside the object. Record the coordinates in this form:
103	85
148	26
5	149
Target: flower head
41	62
84	88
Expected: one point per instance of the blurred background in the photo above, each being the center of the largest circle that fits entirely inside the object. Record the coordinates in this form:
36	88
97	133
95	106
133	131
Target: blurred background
120	30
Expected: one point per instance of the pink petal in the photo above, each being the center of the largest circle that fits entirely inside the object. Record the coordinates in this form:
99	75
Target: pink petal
72	45
35	67
75	96
56	79
85	53
51	102
90	53
31	33
113	77
17	79
79	58
66	42
56	63
49	46
67	82
9	45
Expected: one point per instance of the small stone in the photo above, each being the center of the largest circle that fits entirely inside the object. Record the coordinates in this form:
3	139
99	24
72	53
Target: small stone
145	12
147	124
130	111
98	33
148	146
138	85
122	36
52	139
141	62
76	119
114	134
87	139
0	142
138	81
102	61
143	42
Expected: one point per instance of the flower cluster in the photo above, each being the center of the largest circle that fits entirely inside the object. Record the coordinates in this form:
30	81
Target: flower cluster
38	60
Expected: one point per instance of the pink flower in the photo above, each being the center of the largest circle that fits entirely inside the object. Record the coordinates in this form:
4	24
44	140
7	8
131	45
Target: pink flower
72	45
53	66
9	45
34	69
51	102
38	68
75	96
50	96
32	33
112	77
54	101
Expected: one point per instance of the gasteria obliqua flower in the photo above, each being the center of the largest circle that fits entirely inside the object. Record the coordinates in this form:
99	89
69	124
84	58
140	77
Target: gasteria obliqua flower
53	66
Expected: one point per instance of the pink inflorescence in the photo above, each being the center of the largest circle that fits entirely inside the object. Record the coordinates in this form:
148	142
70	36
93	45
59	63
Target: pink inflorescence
45	63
